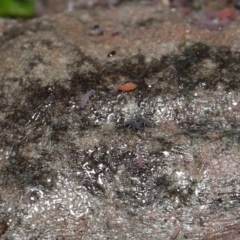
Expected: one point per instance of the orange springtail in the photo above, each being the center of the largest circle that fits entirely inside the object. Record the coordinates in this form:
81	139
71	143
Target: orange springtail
127	87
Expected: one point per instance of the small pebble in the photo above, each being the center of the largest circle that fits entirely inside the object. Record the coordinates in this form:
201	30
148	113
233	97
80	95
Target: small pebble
95	31
111	54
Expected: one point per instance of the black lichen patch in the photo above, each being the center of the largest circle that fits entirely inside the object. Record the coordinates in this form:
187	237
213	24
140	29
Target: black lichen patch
91	81
26	172
136	186
47	43
47	95
194	52
197	65
21	116
202	65
149	189
11	33
146	22
163	144
85	73
35	61
187	62
58	132
3	227
132	67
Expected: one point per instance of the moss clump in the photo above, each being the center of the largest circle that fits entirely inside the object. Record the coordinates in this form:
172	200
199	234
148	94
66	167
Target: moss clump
17	8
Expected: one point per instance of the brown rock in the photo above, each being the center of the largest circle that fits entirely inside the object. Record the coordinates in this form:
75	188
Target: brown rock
67	173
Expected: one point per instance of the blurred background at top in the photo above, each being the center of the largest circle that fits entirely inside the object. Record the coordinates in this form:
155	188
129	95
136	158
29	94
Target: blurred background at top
18	8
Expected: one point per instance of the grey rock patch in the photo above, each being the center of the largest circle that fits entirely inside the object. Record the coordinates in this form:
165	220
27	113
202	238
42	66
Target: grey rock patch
68	173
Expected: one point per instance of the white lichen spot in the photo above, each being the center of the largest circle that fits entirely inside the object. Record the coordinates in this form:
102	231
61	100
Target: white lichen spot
166	153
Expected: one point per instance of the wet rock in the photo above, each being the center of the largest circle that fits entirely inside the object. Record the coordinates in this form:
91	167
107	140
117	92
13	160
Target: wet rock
67	172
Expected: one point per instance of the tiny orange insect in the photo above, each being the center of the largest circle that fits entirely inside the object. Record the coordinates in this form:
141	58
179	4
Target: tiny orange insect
127	87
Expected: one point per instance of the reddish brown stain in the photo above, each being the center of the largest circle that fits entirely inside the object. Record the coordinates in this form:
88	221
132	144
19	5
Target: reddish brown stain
227	13
127	87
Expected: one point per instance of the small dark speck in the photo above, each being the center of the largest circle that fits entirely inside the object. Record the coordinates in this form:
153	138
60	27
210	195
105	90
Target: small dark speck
132	214
115	34
111	54
32	65
95	31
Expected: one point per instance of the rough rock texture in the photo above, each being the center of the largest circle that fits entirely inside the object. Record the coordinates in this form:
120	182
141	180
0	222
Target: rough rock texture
67	173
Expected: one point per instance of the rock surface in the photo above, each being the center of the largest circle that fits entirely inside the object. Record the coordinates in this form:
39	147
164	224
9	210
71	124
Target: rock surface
68	173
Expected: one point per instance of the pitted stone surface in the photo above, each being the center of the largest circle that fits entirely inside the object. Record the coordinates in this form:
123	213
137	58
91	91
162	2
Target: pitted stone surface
68	173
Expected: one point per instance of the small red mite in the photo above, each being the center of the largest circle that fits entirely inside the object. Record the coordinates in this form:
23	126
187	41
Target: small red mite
127	87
